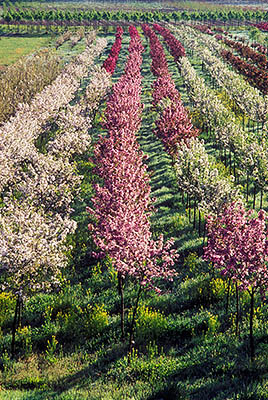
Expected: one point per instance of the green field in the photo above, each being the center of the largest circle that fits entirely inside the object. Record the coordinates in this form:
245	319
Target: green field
12	48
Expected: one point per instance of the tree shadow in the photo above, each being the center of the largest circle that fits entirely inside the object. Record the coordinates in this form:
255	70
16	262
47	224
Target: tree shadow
214	377
83	378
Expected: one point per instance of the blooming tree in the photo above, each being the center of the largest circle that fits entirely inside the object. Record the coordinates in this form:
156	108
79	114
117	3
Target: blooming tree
238	247
121	206
18	135
174	124
110	62
35	214
32	252
197	175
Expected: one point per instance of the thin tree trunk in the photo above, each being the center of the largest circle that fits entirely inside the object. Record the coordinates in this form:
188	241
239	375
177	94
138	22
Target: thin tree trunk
199	223
20	313
122	305
251	338
204	234
194	223
189	209
254	196
261	199
247	186
131	333
234	168
237	310
14	327
228	295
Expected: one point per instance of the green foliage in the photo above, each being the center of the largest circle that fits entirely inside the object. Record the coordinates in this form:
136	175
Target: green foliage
192	263
186	326
7	305
95	320
195	291
24	340
28	76
151	367
73	318
35	308
51	349
153	350
150	324
213	324
219	288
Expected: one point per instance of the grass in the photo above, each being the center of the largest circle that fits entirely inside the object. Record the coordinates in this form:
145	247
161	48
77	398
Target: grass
12	48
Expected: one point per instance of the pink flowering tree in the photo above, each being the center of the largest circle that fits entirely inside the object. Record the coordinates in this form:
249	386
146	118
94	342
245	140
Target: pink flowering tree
110	62
173	126
175	47
121	205
238	247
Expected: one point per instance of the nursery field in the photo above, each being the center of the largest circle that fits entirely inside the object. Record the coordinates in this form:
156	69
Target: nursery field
134	241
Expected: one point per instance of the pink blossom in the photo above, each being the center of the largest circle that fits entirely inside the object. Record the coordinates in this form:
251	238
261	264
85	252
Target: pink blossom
121	205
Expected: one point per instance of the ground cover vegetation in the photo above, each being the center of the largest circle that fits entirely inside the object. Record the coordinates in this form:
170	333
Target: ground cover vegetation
133	249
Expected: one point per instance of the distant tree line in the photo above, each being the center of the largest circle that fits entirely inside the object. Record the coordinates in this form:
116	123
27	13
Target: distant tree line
18	13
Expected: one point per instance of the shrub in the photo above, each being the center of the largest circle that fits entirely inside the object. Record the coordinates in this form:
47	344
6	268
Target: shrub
150	324
24	340
95	320
7	305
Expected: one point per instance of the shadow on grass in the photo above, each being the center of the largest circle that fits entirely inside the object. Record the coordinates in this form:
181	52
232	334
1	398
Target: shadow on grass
82	379
215	374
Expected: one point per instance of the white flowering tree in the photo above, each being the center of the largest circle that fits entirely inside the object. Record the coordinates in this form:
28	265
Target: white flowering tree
35	214
19	134
32	252
249	99
198	176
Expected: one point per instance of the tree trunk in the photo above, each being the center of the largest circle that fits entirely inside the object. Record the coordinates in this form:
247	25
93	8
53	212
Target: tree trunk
251	338
189	209
261	199
122	305
254	196
234	168
14	326
228	295
194	223
199	223
204	234
247	186
131	333
237	310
